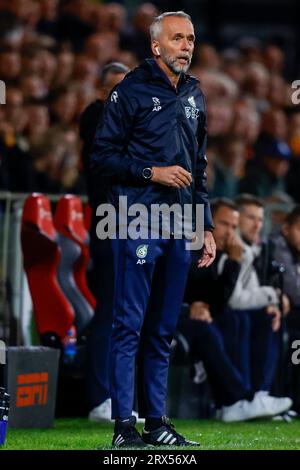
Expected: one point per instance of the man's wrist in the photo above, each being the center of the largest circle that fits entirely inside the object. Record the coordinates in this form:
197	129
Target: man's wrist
147	173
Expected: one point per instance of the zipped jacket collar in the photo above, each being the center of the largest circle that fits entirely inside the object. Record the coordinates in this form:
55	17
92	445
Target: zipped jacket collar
154	72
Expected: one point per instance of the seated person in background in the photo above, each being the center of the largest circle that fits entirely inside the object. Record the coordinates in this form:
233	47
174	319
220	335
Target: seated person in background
287	252
268	175
208	292
255	301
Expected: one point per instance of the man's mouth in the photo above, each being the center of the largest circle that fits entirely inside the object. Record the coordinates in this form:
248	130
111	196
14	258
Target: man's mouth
183	60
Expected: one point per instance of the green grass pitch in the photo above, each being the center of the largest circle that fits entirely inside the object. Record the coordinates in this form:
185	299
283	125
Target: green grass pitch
80	434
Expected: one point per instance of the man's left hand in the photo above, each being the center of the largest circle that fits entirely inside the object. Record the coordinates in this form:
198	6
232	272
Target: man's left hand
208	252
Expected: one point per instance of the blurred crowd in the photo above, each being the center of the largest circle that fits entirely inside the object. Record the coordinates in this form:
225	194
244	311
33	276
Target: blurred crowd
51	56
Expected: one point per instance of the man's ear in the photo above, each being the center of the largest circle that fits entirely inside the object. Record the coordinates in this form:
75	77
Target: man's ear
155	49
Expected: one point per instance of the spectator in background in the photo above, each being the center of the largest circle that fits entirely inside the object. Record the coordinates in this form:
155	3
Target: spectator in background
48	22
229	167
246	124
232	65
294	132
16	160
10	66
273	58
274	125
109	17
56	163
15	111
37	123
256	300
85	70
287	253
63	107
256	84
111	75
221	276
251	50
136	38
250	226
64	70
217	84
33	87
277	96
293	176
207	58
73	24
268	175
220	118
85	94
102	47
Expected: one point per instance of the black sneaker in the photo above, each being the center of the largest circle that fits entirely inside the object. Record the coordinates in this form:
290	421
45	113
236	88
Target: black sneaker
166	435
125	434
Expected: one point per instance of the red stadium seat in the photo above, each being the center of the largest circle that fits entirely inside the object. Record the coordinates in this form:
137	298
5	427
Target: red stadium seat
53	313
69	222
87	216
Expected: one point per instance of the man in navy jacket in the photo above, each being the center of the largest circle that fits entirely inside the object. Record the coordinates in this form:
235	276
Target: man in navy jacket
151	147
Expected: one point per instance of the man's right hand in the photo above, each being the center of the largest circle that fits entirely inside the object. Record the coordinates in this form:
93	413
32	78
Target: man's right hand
174	176
234	247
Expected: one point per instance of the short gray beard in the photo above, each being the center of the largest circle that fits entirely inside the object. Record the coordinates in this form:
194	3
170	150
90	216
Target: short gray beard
177	69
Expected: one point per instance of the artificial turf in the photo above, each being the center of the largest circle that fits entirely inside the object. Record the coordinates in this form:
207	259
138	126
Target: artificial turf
80	434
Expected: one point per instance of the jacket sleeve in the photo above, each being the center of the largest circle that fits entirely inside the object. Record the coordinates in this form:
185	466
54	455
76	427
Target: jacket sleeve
228	277
253	298
109	153
247	293
201	193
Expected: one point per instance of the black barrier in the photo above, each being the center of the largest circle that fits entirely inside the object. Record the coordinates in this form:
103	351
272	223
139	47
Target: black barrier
32	382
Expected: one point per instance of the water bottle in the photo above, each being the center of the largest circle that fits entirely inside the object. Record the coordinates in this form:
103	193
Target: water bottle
4	408
70	346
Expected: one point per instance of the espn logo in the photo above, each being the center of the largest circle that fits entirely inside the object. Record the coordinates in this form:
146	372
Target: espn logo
32	389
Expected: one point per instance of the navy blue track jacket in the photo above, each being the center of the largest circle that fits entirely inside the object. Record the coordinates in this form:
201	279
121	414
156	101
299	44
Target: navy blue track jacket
147	122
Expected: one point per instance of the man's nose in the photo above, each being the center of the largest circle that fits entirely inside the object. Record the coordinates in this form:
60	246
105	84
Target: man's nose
186	46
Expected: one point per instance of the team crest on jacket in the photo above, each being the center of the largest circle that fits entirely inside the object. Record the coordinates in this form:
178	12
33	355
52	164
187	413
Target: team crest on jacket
141	251
191	111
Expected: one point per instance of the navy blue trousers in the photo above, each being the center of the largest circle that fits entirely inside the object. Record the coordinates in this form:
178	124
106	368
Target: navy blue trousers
98	341
207	344
252	346
149	286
